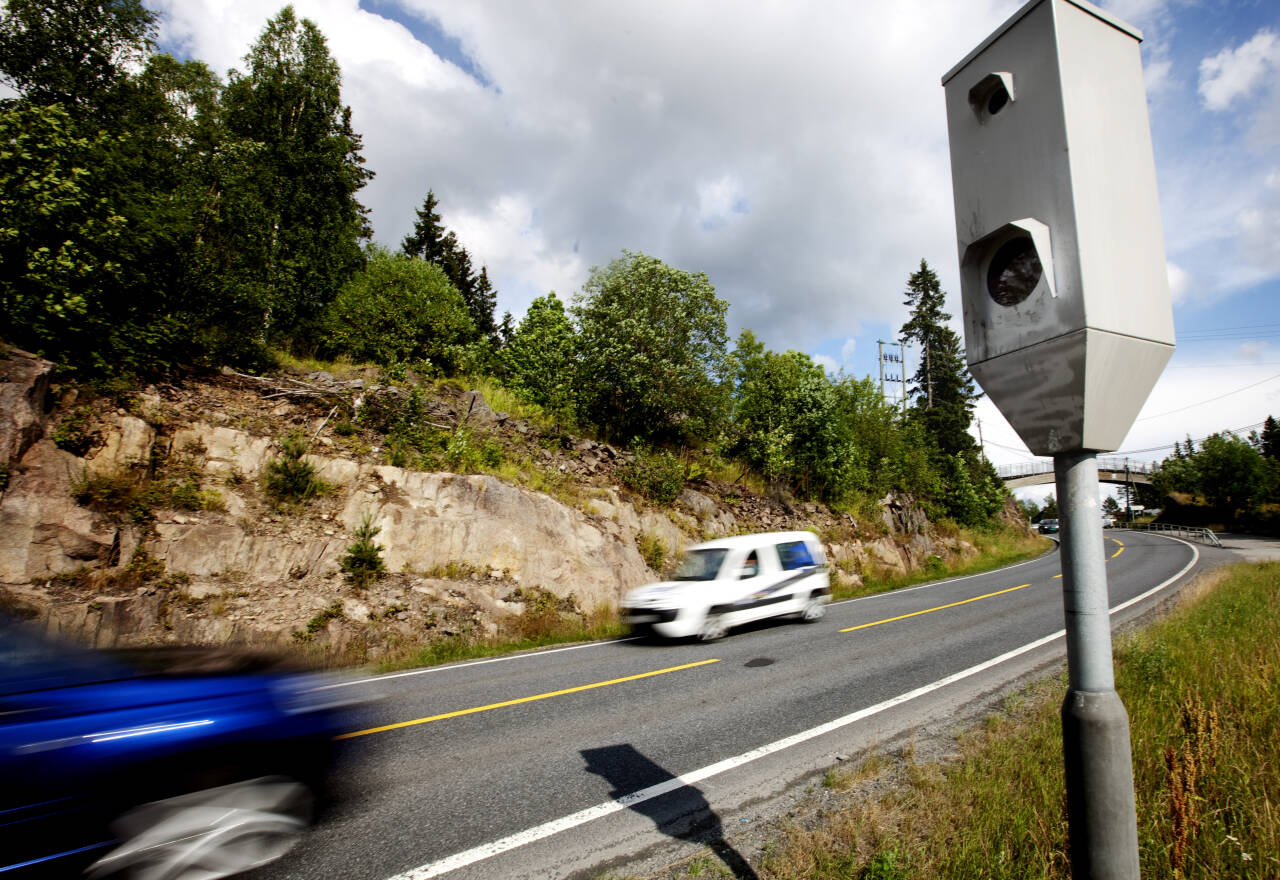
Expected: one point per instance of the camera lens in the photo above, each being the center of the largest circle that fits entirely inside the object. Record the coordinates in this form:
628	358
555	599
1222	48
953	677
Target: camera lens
1014	272
998	98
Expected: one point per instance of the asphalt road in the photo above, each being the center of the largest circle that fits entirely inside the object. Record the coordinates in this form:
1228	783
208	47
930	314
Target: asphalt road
582	761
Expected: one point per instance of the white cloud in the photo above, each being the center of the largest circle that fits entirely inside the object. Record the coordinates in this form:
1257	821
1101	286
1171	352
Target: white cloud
1179	282
770	150
848	350
827	363
1234	73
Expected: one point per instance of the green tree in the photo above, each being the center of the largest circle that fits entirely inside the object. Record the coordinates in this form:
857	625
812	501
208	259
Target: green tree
60	234
653	351
1232	474
363	562
539	359
1050	508
1270	439
74	53
430	241
305	225
942	389
398	310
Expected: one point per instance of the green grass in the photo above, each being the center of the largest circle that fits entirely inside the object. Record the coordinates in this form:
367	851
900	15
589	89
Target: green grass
535	632
996	549
1202	689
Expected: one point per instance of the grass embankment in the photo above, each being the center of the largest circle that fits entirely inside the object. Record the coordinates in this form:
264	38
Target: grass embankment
545	626
1202	689
996	549
540	629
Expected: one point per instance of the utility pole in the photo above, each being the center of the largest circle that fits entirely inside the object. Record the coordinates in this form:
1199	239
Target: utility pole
896	359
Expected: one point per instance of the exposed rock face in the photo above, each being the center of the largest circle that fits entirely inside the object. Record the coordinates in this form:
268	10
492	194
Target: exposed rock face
24	388
463	551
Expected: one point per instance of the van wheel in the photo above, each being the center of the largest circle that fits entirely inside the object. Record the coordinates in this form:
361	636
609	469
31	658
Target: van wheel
712	629
208	834
814	610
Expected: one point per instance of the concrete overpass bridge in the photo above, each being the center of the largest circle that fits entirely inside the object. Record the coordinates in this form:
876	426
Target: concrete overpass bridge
1110	470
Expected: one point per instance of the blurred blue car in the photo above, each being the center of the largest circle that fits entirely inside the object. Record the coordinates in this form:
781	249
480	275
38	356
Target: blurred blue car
204	769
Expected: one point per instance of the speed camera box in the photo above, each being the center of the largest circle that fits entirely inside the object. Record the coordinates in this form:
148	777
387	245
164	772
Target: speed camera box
1067	317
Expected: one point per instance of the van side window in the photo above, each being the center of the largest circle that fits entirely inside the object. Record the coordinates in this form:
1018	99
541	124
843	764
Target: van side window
795	554
751	567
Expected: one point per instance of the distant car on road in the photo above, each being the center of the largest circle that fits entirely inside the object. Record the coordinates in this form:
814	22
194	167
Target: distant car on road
1048	526
110	770
731	581
1108	522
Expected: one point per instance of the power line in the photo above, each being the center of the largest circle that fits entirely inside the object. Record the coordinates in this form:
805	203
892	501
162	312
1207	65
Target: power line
1211	400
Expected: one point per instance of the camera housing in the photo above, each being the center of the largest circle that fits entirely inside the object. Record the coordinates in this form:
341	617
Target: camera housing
1067	316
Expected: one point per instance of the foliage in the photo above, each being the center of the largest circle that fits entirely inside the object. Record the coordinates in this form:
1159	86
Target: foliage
652	340
290	477
653	550
75	431
127	494
306	224
74	52
430	242
363	560
1229	473
942	388
1201	693
398	310
538	361
658	476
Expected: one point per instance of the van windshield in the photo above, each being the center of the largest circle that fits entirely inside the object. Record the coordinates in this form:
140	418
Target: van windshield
700	565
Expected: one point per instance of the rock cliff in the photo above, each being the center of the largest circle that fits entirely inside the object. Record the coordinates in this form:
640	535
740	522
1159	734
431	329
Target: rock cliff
145	520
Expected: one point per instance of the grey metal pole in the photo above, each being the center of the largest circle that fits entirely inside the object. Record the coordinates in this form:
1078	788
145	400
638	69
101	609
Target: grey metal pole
1095	727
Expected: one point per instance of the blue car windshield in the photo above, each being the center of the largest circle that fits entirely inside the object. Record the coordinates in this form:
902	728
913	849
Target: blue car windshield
30	663
700	565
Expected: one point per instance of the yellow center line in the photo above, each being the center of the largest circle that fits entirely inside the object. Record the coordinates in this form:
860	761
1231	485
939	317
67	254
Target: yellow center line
938	608
572	690
1118	552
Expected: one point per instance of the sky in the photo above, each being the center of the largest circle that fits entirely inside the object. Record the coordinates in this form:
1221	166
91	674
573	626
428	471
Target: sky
795	152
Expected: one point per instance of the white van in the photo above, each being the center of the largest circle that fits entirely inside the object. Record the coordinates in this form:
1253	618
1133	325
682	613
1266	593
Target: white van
731	581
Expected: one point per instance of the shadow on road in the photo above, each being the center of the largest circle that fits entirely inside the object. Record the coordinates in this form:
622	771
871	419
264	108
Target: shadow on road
682	813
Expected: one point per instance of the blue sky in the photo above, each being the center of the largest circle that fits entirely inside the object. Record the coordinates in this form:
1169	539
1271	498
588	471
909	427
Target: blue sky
796	153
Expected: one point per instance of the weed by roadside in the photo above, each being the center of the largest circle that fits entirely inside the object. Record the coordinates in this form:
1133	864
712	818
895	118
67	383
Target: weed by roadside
1202	689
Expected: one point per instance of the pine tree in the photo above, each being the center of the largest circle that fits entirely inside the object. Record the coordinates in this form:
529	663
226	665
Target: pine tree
432	242
942	389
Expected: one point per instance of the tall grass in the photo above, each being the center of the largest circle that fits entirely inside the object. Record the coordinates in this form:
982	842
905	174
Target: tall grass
1203	693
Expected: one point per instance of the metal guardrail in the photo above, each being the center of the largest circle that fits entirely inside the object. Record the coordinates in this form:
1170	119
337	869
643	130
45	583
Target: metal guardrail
1045	466
1205	536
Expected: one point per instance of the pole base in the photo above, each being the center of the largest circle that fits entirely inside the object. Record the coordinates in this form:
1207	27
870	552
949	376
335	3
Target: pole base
1100	802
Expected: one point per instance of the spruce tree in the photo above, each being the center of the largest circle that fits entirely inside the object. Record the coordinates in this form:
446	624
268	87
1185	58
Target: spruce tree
942	391
430	241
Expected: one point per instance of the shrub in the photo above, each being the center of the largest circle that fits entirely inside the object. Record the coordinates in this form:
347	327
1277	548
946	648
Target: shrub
291	477
652	549
398	310
125	494
363	562
658	476
73	433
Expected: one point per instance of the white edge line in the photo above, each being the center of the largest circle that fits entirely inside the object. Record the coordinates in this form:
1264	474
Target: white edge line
933	584
375	679
540	832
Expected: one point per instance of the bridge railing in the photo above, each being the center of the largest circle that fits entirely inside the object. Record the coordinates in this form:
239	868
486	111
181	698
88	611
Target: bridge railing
1045	466
1193	533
